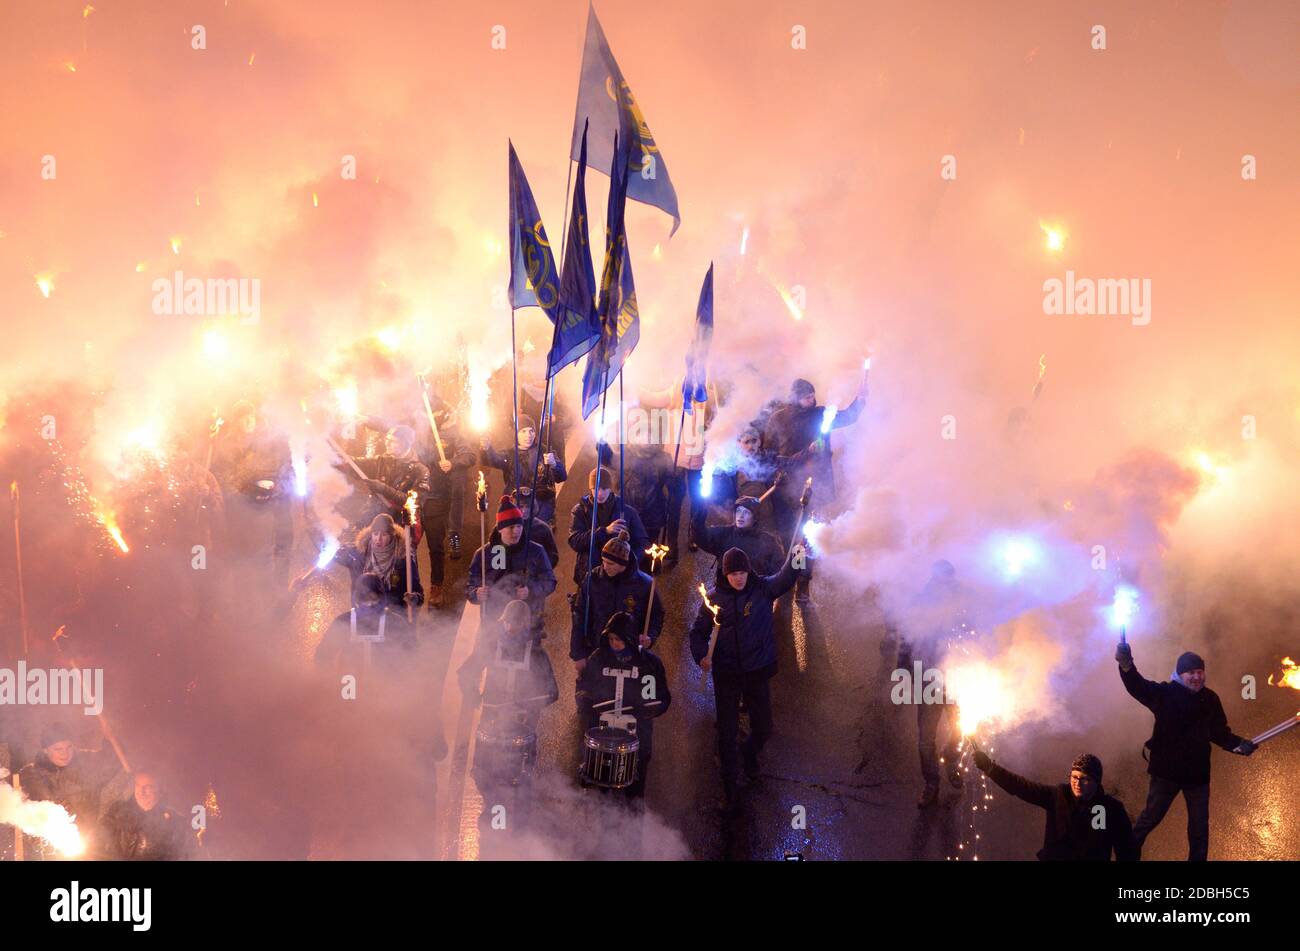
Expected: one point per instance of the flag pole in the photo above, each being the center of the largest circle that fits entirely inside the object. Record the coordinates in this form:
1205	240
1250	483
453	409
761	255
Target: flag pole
514	393
595	508
622	438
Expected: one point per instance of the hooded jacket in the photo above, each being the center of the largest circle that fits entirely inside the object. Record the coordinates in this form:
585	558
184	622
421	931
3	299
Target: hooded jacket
628	591
132	834
645	692
1187	722
1070	834
790	431
520	568
746	638
764	549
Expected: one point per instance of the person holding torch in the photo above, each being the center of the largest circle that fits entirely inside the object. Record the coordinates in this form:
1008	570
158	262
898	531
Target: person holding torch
741	654
798	435
1188	718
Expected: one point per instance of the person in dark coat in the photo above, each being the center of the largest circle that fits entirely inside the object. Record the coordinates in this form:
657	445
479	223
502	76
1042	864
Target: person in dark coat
1084	824
764	549
143	829
743	658
254	467
617	585
508	570
1189	717
62	774
646	486
938	619
374	619
794	434
538	531
446	486
520	683
390	478
612	516
534	462
645	694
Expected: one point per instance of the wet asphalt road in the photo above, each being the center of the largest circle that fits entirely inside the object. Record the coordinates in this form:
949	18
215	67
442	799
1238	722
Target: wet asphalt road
840	776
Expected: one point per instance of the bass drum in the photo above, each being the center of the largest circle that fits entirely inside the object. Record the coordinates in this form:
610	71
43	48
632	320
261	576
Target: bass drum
609	757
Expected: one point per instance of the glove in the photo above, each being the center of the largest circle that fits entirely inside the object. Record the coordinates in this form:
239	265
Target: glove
982	761
1124	655
1245	748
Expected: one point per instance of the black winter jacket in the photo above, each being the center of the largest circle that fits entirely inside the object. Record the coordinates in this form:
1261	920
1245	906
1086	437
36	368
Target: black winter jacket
1069	835
747	638
628	591
1186	724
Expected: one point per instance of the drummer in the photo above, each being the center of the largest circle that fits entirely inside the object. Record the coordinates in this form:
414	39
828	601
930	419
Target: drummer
520	681
620	660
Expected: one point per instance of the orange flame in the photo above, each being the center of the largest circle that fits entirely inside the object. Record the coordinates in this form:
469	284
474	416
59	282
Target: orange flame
713	608
1290	675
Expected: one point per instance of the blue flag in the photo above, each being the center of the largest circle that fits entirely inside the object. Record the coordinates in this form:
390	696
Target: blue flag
605	99
579	327
532	266
620	326
695	386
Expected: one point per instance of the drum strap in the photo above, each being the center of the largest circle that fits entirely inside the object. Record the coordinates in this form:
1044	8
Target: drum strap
383	621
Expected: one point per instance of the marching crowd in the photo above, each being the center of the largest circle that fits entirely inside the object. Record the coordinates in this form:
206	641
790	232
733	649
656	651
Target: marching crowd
412	475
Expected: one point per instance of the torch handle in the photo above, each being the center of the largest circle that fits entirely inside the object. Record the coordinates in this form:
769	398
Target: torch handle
346	458
649	605
433	424
1277	730
410	616
713	642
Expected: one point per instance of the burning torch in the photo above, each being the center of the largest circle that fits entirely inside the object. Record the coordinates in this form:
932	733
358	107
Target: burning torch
411	507
433	424
715	610
1290	678
480	502
657	553
213	431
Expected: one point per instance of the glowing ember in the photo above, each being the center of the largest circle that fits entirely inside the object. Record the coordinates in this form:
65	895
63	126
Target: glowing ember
1290	675
176	245
45	283
390	338
1054	236
1215	473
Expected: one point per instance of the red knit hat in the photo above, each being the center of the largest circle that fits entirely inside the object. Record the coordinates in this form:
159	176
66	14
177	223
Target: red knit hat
508	513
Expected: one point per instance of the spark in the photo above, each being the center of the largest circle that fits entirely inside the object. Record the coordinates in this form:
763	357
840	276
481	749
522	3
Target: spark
176	245
1054	236
140	266
744	241
70	66
315	200
216	345
390	338
45	283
